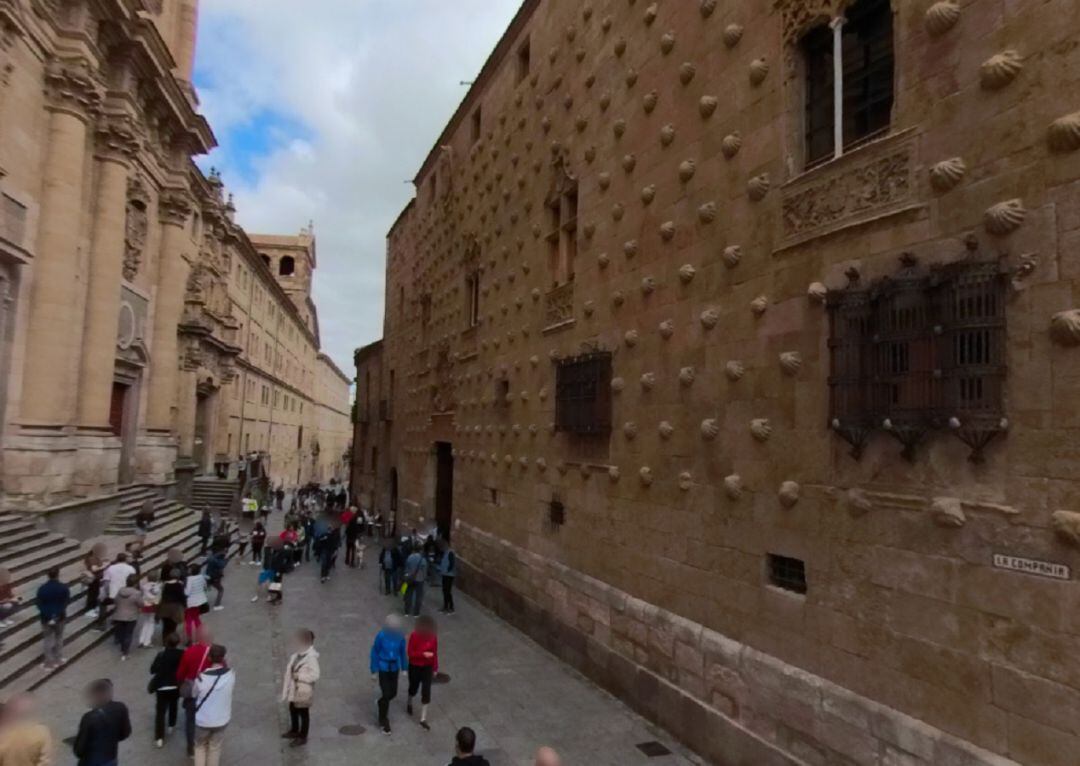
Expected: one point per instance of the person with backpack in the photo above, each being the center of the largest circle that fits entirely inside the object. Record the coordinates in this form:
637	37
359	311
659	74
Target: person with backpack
195	660
164	687
415	578
102	728
448	570
298	689
213	695
215	575
389	659
423	652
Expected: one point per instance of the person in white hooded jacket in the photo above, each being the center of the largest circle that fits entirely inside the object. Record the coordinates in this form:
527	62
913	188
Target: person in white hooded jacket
298	688
213	696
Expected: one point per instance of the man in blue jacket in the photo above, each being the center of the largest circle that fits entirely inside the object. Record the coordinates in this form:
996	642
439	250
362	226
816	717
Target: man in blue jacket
388	661
52	601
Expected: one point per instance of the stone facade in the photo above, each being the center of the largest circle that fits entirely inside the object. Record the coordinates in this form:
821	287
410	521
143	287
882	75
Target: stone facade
119	324
706	254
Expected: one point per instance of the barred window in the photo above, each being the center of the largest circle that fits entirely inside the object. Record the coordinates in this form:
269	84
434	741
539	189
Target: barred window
583	394
920	352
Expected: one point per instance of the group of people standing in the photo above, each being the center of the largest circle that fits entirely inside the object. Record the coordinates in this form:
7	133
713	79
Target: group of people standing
409	565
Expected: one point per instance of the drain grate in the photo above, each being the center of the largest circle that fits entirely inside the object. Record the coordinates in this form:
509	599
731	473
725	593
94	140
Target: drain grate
352	730
653	749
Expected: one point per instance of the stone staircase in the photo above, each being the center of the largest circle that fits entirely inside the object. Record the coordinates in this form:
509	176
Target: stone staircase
28	550
219	495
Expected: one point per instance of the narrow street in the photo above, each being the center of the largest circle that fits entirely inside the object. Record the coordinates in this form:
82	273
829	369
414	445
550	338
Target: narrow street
515	695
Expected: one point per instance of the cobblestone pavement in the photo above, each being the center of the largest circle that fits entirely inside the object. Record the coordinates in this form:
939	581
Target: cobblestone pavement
513	693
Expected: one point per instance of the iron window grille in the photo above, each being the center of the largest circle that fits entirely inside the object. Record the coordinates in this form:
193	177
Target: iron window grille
920	352
583	394
787	573
556	514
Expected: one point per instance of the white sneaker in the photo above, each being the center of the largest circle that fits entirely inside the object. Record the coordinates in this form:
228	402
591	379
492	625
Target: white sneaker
218	608
159	744
91	615
254	599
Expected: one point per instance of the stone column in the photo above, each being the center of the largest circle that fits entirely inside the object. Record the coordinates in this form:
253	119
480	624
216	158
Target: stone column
174	209
186	30
116	145
50	377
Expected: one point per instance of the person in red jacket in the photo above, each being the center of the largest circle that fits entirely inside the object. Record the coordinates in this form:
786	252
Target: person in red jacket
196	659
423	652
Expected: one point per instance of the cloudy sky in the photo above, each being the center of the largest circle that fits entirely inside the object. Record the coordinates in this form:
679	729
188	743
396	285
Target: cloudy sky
323	109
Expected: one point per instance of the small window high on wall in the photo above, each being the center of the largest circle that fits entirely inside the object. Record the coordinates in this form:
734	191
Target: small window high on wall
287	266
848	70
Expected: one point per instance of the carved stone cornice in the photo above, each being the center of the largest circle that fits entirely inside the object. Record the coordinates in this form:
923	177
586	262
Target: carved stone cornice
174	207
117	138
73	86
797	16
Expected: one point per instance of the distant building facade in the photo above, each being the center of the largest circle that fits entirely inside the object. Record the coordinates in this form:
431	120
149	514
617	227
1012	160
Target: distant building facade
127	320
736	346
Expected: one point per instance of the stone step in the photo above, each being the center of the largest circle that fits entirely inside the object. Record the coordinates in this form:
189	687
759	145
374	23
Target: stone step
13	530
125	525
24	541
21	650
59	552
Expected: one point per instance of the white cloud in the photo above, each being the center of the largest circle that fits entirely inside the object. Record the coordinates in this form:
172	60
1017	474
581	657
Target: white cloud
372	84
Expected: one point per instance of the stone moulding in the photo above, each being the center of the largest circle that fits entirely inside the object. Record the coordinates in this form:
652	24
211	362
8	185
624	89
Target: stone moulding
1065	328
872	182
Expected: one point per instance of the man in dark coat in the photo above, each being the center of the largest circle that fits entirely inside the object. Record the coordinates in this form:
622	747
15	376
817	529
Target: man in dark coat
102	728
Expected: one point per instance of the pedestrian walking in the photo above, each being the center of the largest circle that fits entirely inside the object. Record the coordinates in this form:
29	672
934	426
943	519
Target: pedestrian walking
352	535
205	530
465	749
197	603
546	756
281	562
24	741
423	653
113	579
388	660
328	551
213	708
279	497
52	602
258	540
94	564
144	519
196	659
242	539
298	690
126	613
448	571
415	577
387	566
165	688
102	728
9	602
150	587
173	602
215	575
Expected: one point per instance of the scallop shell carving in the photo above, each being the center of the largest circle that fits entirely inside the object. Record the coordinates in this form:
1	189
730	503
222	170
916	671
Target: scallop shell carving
617	212
758	187
667	43
618	128
648	194
629	162
648	286
759	70
650	14
790	362
707	106
1000	70
707	8
631	78
603	180
686	481
947	174
707	213
667	135
710	429
687	168
630	248
630	430
734	370
733	33
667	231
1005	217
941	17
1064	133
817	292
759	305
648	381
589	308
602	261
649	101
858	502
789	493
733	487
620	46
687	273
731	144
631	338
1065	328
666	329
617	298
687	72
761	429
617	384
646	476
732	256
613	473
710	318
665	429
686	376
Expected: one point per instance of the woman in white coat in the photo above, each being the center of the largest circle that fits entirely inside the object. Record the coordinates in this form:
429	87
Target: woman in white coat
298	689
